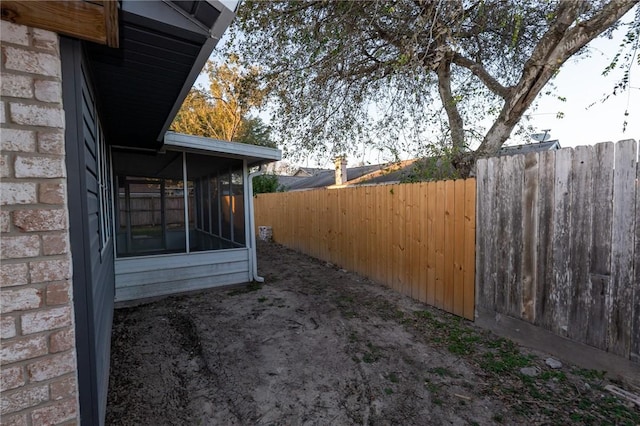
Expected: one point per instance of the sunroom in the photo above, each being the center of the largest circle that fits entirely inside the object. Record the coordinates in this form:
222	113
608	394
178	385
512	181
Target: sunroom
182	215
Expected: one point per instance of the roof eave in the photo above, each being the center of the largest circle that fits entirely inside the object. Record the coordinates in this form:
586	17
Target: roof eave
140	87
220	26
254	154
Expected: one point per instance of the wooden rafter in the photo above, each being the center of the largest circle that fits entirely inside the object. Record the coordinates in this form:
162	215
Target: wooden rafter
111	23
92	21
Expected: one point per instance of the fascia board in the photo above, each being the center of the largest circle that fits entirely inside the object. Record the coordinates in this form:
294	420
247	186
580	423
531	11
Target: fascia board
253	153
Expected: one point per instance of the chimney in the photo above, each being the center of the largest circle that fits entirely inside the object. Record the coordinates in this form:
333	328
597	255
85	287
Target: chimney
341	170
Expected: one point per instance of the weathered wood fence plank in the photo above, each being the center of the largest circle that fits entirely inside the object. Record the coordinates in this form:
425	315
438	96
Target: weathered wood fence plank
515	251
530	217
502	217
580	235
622	250
600	262
483	205
546	224
560	290
579	251
635	328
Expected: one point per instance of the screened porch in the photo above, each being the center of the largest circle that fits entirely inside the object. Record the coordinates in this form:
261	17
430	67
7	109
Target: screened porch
161	210
182	216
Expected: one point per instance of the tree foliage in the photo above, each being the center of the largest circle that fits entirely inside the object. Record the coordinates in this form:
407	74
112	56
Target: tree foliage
345	73
266	183
224	111
253	131
626	57
196	116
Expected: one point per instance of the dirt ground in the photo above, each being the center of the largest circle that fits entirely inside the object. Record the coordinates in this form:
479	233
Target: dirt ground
319	345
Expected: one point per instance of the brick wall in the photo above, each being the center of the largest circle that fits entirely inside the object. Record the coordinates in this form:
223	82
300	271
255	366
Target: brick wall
37	355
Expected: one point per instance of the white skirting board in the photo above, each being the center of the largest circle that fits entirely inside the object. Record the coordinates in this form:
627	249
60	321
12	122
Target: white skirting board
150	276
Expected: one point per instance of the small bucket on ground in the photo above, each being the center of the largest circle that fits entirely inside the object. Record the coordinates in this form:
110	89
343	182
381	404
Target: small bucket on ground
265	233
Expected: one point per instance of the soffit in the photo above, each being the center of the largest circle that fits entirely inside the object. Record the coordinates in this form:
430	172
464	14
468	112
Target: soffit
163	47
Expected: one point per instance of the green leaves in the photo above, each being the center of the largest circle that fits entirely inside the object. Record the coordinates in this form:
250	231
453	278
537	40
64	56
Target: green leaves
224	111
265	184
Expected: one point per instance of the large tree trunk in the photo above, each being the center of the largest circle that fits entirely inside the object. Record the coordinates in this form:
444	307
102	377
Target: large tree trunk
561	41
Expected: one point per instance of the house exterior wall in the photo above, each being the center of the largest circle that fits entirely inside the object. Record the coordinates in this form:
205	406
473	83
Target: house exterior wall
90	231
38	354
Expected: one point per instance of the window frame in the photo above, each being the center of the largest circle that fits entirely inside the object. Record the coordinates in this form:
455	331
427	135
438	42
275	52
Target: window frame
105	208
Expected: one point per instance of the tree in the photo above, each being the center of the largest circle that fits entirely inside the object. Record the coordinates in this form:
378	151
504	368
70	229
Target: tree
343	73
224	111
266	183
253	131
196	116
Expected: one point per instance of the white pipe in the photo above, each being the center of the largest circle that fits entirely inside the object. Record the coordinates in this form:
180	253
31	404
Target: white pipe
252	228
186	200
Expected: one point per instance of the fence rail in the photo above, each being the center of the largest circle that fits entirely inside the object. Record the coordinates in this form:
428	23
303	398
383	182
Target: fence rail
558	243
418	239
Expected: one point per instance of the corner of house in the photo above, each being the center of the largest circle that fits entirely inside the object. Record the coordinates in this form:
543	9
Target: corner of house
37	356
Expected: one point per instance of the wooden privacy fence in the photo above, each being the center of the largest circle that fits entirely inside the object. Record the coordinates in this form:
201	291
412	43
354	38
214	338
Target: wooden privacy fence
558	243
418	239
147	210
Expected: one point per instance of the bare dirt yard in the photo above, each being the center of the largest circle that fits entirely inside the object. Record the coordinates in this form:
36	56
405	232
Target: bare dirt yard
318	345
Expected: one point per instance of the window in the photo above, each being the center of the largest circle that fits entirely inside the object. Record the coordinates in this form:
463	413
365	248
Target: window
98	177
104	188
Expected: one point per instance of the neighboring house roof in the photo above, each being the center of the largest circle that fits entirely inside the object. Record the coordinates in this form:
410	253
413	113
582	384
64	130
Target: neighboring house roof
370	174
391	172
529	147
309	171
286	181
327	177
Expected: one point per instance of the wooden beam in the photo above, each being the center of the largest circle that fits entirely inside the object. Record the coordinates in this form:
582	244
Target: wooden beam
111	23
83	20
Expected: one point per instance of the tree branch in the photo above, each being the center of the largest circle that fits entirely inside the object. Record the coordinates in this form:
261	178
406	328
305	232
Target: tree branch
449	103
480	72
558	44
586	31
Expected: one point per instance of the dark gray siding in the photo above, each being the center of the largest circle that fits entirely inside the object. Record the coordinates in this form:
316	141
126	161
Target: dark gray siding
93	266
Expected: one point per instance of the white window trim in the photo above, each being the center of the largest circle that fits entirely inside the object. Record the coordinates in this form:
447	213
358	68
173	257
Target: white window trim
104	188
